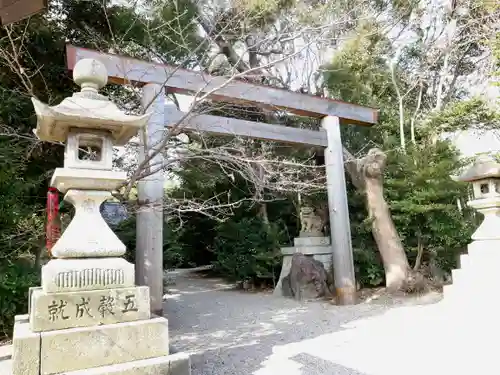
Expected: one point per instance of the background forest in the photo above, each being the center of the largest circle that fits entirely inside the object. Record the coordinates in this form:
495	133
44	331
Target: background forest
429	66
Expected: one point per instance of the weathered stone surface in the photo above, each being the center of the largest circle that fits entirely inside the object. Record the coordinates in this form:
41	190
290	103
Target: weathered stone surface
323	254
25	349
87	235
86	109
307	250
308	279
70	275
96	140
285	271
21	318
88	308
30	293
311	241
65	179
312	224
5	353
175	364
83	348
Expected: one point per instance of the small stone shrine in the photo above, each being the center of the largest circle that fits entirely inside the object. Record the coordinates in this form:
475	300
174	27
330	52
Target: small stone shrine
88	317
311	242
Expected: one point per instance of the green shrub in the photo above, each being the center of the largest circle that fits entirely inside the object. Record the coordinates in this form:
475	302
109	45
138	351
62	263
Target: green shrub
368	267
15	281
173	254
247	250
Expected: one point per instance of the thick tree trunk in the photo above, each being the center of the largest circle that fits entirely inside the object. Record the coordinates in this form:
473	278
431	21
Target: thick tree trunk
366	174
384	232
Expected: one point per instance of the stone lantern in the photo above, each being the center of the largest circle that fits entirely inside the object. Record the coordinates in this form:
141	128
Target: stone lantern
475	281
88	315
485	178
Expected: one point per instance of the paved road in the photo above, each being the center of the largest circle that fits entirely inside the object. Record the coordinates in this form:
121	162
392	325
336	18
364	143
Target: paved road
233	332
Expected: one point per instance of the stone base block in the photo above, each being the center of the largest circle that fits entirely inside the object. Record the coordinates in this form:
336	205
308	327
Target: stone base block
175	364
71	275
311	234
78	349
53	311
311	241
321	251
26	346
307	250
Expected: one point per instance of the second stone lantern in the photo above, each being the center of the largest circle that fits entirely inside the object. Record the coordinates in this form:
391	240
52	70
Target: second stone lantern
476	280
88	316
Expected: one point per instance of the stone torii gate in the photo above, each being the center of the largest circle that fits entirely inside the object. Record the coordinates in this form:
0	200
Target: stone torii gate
332	113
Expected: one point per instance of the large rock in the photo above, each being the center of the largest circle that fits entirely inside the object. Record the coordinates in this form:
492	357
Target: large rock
307	279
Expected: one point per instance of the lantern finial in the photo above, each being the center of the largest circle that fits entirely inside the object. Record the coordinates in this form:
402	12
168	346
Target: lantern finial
90	74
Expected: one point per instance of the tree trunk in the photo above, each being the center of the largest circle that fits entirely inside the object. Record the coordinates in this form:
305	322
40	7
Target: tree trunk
263	214
367	175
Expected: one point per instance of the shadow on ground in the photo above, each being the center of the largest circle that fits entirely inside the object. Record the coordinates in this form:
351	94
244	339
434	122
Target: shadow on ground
232	332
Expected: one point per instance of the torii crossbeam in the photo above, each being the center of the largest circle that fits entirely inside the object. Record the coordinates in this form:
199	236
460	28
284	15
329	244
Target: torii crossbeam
331	112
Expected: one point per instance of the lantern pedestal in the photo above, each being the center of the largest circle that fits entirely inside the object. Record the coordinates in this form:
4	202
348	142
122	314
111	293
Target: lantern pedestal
95	237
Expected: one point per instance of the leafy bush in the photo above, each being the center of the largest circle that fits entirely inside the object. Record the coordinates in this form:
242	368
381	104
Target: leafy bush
15	281
247	250
368	267
173	254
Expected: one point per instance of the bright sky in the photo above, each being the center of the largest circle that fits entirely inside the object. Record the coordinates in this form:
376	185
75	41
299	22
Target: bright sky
471	143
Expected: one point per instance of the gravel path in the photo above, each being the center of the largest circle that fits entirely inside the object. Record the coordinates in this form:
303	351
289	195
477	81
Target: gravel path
234	332
229	332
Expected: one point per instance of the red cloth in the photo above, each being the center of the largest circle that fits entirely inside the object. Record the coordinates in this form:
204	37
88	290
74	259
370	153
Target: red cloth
53	228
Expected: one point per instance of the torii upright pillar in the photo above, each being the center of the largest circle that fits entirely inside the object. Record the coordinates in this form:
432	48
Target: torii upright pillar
340	228
149	241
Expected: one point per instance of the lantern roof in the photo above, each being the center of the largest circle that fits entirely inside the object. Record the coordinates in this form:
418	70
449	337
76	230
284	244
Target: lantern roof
86	109
483	168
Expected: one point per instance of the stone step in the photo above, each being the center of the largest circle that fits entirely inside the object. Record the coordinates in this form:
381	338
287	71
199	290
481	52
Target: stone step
460	277
484	250
475	277
464	261
175	364
6	366
467	297
449	292
5	352
478	260
459	301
